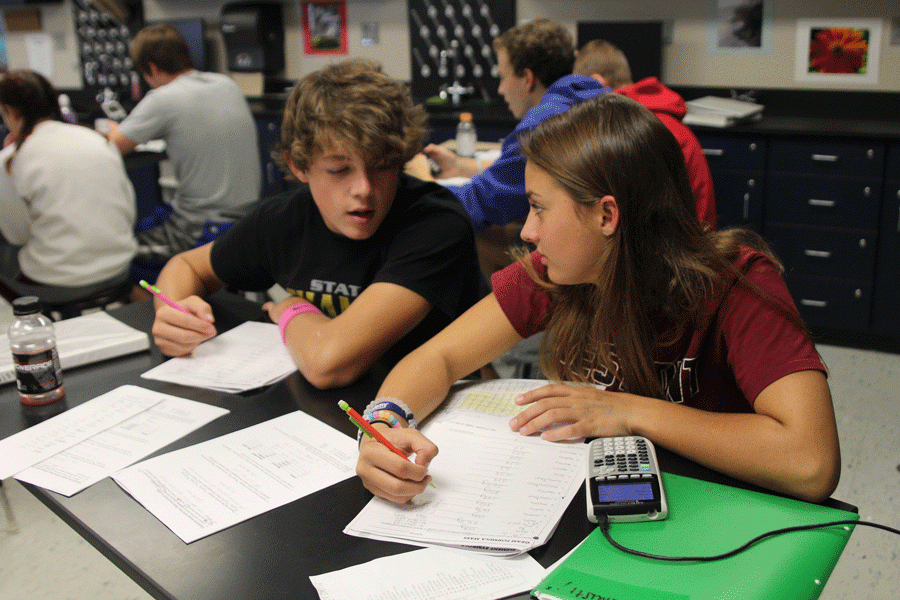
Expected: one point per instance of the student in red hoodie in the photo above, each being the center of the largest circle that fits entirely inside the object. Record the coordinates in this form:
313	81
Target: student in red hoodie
607	64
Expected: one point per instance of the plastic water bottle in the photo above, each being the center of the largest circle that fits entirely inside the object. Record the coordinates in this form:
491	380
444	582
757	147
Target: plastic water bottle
32	341
466	138
65	107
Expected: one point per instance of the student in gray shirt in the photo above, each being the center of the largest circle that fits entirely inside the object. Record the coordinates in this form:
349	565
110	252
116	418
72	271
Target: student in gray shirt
210	137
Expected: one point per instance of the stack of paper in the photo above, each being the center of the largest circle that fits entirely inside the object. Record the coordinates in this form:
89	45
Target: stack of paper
495	491
83	340
88	442
714	111
247	357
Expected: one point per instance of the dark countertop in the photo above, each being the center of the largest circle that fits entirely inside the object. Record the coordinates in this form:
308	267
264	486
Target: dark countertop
865	115
814	127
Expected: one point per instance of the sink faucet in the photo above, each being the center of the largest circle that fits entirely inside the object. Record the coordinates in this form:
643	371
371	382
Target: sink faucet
456	90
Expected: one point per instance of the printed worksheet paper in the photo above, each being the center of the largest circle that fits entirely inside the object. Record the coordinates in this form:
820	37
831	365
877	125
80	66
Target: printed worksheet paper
205	488
101	455
507	499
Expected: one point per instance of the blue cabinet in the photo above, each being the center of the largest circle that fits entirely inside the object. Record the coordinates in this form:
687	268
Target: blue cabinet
823	199
738	167
830	208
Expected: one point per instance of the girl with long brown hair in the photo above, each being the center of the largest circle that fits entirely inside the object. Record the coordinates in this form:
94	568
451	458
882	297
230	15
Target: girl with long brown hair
655	325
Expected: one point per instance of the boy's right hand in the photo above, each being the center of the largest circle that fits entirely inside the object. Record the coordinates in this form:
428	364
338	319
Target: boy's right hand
176	333
387	475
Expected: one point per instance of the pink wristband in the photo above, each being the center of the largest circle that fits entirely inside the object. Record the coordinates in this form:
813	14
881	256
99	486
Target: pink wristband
292	311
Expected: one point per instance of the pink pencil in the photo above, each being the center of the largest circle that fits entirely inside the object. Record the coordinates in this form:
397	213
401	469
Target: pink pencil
155	291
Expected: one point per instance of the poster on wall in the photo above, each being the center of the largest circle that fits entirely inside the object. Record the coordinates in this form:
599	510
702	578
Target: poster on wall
838	50
325	27
740	26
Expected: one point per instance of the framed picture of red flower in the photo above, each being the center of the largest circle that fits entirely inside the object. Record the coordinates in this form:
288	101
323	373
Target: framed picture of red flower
838	50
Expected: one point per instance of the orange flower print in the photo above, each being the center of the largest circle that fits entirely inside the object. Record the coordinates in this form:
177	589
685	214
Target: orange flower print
838	50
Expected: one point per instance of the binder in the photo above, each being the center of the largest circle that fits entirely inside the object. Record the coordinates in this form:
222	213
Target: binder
83	340
706	519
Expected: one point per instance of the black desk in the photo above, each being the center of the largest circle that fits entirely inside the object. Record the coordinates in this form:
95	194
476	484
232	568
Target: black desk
269	556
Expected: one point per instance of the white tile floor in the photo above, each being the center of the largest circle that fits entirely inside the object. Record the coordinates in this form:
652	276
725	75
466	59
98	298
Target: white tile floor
46	560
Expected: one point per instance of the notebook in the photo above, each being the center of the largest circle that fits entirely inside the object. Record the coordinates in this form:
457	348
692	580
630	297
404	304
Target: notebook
720	112
83	340
705	519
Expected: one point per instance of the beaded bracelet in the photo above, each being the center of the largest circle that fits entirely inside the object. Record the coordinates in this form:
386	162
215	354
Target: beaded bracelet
384	416
394	405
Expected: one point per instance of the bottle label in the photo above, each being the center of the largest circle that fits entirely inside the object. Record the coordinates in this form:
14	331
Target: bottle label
38	372
466	143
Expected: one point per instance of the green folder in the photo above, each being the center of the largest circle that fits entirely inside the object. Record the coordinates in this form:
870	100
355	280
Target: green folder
706	519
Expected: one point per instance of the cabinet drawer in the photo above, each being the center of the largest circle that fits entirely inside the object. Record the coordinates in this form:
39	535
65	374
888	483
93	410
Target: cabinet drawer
825	253
832	303
746	153
739	199
857	159
849	203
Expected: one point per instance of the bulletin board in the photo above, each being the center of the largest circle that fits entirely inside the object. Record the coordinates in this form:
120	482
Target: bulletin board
452	40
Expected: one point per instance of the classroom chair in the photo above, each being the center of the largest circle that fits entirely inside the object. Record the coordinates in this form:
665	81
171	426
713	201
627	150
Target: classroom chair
148	268
63	302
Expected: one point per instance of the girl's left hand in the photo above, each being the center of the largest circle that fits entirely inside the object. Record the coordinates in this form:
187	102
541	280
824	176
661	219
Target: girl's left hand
573	412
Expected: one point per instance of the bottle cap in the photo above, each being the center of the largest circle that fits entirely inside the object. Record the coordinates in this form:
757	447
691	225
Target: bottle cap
466	116
26	305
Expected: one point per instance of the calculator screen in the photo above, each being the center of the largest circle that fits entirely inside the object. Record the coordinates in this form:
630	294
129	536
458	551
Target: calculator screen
627	492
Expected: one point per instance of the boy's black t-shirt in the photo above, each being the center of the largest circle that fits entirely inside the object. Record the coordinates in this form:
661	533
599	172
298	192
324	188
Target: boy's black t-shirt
425	244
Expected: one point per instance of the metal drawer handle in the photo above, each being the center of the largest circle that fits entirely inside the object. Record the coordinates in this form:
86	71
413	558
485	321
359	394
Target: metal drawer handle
825	157
713	152
814	303
825	203
817	253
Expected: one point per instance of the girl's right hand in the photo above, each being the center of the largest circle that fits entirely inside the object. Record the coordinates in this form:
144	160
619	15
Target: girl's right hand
389	476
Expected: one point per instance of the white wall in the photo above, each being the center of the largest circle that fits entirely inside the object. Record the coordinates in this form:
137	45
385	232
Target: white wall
687	61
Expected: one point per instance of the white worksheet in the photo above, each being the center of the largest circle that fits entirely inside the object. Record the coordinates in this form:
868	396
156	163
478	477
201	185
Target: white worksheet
202	489
43	440
103	454
247	357
433	573
495	491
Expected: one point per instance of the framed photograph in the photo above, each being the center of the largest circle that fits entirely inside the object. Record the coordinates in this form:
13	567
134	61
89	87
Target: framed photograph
740	27
324	27
838	50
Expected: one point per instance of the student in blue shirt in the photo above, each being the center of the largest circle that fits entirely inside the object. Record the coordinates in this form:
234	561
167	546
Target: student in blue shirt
535	61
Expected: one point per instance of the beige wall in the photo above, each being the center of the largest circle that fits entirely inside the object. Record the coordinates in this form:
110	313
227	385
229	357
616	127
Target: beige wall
687	61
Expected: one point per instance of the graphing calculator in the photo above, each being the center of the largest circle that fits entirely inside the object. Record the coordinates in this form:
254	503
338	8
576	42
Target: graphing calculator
623	480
